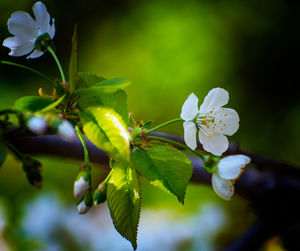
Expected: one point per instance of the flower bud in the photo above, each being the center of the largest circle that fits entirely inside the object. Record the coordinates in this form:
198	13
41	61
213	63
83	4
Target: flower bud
37	125
84	205
82	183
66	130
100	194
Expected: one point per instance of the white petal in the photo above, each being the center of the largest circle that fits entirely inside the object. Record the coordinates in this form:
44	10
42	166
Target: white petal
37	125
82	208
80	187
190	134
231	166
22	25
226	121
42	17
215	144
189	109
52	29
35	54
66	130
216	98
223	188
18	47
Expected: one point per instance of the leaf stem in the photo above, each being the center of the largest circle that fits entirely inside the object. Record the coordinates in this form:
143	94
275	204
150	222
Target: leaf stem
173	142
58	63
81	137
29	69
163	124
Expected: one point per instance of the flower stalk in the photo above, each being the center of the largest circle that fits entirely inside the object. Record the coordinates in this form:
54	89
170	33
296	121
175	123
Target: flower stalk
163	124
51	51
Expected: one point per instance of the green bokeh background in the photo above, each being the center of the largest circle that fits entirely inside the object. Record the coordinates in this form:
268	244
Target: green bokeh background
168	49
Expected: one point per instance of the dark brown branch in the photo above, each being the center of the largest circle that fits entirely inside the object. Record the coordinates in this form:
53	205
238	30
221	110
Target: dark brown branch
249	185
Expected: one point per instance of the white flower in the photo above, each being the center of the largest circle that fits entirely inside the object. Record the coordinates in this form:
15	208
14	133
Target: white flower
212	120
26	30
80	187
228	170
66	130
37	125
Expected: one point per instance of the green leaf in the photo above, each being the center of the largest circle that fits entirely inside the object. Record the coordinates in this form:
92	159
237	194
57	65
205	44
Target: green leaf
116	100
107	130
33	169
32	103
3	154
124	201
53	105
110	85
165	167
73	66
89	80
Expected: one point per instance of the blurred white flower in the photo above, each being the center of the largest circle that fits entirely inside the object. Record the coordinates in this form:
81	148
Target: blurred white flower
228	171
26	31
66	130
212	120
37	125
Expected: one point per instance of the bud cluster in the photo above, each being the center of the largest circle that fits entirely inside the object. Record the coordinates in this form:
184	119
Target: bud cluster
39	125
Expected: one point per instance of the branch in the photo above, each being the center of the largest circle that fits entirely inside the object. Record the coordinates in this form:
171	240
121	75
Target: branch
249	185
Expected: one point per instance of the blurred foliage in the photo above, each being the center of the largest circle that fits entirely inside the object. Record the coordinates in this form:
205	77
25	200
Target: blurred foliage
168	49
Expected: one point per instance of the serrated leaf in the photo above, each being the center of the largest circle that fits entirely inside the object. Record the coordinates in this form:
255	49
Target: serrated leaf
89	80
73	66
3	154
32	103
165	167
107	130
116	100
124	201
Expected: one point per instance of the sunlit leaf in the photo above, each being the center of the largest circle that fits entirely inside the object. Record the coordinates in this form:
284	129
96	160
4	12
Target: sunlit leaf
32	103
165	167
116	100
107	130
124	201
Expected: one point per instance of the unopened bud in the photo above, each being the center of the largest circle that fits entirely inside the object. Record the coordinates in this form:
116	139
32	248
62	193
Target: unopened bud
37	125
66	130
100	194
85	204
82	183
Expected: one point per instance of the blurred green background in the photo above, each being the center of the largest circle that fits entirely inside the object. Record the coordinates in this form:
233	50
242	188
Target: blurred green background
167	49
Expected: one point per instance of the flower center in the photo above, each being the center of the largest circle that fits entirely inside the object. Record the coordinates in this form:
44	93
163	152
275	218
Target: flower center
206	123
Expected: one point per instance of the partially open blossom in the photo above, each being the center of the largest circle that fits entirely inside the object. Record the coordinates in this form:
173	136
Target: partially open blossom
37	125
27	31
228	171
212	120
66	130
